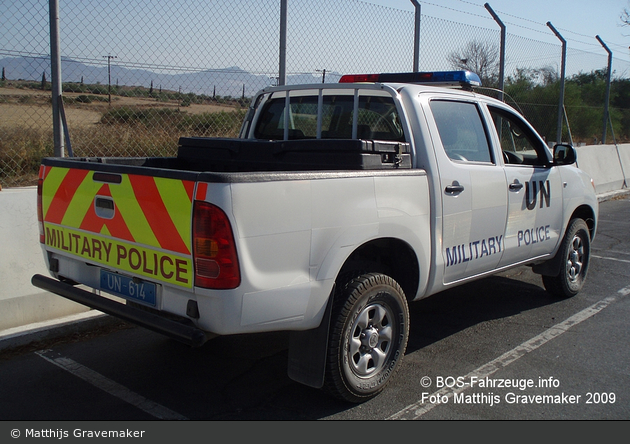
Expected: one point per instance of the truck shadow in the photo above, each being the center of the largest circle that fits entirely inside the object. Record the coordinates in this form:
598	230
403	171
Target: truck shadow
495	297
245	377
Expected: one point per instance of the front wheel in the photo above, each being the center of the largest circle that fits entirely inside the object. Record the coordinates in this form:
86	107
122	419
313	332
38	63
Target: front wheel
369	331
575	253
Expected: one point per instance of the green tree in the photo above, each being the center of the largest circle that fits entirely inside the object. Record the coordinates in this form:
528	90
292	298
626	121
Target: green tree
535	92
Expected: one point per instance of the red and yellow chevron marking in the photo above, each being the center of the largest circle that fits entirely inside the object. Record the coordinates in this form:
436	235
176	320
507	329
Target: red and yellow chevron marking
148	233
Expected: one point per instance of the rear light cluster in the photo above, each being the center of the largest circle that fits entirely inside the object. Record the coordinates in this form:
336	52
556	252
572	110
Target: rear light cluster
214	251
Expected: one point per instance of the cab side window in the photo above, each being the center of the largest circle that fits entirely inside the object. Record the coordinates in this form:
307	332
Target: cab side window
518	143
462	131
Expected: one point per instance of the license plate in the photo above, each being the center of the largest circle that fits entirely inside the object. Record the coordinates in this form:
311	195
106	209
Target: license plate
128	288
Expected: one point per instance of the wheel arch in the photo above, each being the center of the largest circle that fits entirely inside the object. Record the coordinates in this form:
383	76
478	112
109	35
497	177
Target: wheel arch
587	214
390	256
552	266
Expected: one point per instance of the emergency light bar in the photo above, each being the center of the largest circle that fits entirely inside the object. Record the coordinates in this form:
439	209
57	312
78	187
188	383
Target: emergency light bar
446	78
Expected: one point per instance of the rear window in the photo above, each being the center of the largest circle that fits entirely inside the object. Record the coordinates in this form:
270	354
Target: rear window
377	118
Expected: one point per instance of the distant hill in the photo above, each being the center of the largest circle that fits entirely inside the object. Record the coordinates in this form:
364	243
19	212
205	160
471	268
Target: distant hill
222	82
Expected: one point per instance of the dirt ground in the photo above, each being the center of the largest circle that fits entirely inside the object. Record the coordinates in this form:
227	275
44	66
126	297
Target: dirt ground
31	108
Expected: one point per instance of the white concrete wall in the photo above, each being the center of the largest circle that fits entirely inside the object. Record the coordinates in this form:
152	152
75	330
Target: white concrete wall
21	257
602	163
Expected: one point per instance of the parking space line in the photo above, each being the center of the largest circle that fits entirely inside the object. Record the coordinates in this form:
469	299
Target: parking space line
416	410
611	251
611	259
113	388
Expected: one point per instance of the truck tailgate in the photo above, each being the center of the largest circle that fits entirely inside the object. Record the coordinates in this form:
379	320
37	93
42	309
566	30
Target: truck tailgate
135	224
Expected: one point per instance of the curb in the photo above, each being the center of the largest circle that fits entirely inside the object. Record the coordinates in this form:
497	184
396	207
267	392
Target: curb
53	329
603	197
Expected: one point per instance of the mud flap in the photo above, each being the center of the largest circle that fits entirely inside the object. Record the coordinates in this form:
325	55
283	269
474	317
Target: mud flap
550	267
308	350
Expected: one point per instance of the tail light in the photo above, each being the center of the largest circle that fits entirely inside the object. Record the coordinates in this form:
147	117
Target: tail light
214	251
40	210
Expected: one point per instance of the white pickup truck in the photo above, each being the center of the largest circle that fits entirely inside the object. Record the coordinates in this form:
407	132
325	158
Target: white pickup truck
337	206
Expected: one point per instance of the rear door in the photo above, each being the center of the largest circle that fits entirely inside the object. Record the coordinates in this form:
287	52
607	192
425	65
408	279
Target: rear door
473	190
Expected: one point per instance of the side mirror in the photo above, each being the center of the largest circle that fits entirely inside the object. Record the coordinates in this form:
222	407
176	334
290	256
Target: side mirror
564	154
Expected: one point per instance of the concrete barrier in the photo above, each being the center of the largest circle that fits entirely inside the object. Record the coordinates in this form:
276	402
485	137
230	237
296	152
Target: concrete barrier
22	304
602	163
624	155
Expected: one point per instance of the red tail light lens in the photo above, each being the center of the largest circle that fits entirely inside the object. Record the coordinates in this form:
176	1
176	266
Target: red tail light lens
214	251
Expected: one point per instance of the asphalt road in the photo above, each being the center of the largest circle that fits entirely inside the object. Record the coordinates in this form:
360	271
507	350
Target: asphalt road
497	349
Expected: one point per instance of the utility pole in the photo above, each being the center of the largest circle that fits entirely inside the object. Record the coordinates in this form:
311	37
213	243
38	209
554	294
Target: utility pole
323	71
109	57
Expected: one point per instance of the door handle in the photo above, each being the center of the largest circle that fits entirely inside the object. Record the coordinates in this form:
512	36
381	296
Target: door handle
454	188
516	186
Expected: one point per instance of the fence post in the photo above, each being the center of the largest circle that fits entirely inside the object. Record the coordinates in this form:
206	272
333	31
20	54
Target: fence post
608	77
502	50
562	71
55	77
282	74
416	36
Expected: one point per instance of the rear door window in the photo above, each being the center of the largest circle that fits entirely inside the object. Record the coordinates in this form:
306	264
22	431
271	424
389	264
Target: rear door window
462	131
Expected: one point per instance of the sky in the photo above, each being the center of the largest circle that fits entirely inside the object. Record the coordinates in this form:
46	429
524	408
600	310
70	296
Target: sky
341	36
578	21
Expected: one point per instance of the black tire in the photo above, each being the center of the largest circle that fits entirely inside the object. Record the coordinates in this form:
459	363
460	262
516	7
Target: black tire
369	331
575	254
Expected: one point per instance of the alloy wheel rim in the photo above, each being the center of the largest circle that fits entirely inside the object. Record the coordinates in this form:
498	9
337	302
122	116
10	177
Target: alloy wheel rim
575	260
371	340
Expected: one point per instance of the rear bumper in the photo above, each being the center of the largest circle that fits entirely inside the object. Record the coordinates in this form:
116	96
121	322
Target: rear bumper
187	334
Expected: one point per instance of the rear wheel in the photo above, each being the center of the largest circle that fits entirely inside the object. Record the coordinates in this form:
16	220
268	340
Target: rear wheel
369	331
575	253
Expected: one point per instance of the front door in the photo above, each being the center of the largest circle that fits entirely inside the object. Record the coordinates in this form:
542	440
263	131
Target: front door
535	191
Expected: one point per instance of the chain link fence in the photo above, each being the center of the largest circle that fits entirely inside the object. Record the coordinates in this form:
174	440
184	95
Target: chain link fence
139	74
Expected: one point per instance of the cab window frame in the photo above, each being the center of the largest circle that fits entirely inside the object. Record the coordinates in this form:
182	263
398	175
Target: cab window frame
378	116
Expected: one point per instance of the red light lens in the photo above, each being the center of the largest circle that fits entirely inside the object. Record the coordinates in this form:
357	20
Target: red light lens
216	261
359	78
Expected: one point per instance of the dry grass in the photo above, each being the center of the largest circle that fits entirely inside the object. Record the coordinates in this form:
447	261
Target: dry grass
26	128
32	109
40	116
